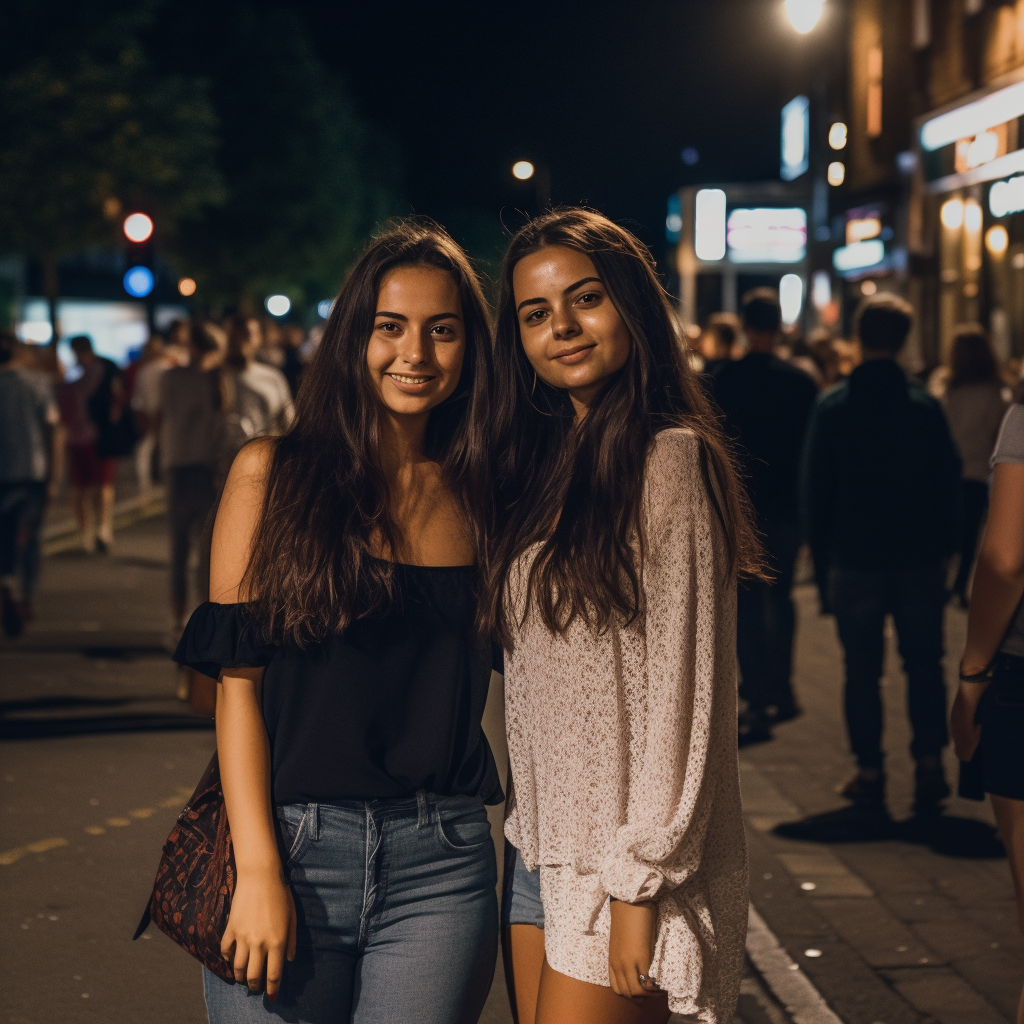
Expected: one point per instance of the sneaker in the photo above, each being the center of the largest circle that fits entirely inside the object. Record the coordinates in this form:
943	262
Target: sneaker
866	788
930	786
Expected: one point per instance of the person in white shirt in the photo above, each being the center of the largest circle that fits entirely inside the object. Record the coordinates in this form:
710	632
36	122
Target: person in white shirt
146	404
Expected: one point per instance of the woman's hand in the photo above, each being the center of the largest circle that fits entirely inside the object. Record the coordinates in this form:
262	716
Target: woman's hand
630	948
260	933
966	732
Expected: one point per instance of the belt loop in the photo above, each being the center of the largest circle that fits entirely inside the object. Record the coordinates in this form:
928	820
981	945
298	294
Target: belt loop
313	818
422	809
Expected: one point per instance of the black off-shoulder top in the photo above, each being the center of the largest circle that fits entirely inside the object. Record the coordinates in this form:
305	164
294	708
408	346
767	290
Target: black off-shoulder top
391	705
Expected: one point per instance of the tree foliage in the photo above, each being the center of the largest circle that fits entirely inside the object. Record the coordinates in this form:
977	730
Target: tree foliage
90	129
306	179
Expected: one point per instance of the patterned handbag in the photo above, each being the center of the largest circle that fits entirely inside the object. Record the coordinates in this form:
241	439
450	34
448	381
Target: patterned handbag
196	877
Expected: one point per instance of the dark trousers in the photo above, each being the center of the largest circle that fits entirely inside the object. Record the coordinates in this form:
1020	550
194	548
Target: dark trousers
915	597
766	622
192	492
22	504
974	504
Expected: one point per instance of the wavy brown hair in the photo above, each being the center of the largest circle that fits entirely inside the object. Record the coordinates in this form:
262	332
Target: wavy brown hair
327	506
577	487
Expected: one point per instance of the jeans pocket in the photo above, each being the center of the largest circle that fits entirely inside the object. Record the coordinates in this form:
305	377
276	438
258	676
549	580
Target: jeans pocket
294	832
465	831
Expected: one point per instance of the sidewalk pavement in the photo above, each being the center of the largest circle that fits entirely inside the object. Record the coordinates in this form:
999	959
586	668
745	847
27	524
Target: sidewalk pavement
906	921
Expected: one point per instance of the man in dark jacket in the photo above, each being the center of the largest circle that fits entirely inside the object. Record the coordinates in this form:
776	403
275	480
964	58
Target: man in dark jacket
880	495
767	404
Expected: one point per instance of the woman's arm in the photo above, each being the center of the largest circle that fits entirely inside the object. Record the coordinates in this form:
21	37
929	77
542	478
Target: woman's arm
995	594
678	760
261	927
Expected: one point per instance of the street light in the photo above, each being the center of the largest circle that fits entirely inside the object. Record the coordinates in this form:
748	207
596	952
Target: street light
804	14
278	305
523	170
137	227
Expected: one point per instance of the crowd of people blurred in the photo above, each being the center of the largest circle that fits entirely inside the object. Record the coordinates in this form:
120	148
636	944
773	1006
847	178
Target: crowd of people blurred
178	413
884	474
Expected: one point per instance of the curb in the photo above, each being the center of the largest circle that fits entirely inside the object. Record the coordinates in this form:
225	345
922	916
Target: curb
783	977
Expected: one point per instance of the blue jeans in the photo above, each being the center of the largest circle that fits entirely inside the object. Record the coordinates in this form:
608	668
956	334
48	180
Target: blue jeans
915	597
397	916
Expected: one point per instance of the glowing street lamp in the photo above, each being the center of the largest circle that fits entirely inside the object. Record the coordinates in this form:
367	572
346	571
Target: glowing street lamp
278	305
137	227
523	170
804	14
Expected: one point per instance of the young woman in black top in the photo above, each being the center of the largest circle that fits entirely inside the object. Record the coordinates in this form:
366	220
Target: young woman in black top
352	678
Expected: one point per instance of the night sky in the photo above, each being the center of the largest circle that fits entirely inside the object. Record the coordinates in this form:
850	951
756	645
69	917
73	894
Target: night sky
606	94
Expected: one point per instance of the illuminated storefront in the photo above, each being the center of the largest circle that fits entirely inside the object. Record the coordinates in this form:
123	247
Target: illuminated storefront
732	238
970	199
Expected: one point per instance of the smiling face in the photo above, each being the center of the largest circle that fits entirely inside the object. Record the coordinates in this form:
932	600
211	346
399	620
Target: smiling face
418	342
571	331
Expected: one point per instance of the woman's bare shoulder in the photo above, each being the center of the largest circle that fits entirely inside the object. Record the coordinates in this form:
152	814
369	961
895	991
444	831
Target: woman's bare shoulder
238	517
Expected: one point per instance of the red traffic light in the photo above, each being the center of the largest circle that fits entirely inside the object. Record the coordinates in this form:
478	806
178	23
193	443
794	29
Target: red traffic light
138	227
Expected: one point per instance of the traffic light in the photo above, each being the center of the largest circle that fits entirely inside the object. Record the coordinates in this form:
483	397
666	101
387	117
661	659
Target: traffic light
139	280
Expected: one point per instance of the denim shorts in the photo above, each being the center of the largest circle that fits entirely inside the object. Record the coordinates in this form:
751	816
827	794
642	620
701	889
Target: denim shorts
521	897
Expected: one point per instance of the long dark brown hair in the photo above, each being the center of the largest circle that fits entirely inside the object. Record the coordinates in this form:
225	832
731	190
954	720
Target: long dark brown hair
577	488
971	359
327	508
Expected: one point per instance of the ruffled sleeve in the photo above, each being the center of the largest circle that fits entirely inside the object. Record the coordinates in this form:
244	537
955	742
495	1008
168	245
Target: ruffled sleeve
220	636
682	717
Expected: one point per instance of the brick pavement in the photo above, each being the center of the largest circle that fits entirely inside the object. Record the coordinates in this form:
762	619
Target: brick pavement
909	924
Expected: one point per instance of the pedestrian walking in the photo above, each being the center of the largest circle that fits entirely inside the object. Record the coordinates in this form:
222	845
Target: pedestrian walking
766	404
294	339
189	421
974	406
145	402
260	401
93	408
352	675
29	467
612	588
719	341
988	712
881	490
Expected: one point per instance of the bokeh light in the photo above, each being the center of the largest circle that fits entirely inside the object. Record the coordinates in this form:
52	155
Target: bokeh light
523	170
139	281
187	287
836	172
137	227
278	305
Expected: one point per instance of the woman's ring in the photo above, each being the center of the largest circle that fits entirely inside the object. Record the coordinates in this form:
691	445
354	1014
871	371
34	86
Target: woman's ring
643	978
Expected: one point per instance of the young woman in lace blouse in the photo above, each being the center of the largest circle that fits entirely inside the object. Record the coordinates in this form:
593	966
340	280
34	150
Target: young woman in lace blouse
612	588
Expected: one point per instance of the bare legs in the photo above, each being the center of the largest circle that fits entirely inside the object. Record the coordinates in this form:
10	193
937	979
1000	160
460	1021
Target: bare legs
1010	818
543	996
88	502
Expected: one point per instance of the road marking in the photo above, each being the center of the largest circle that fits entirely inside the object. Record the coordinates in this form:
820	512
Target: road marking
788	983
40	846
